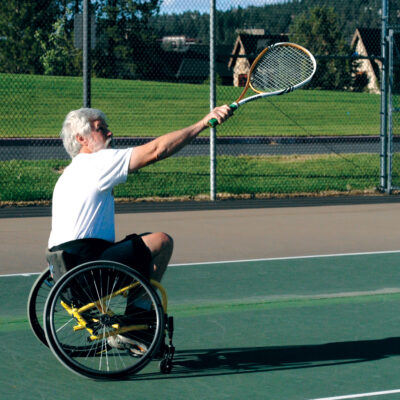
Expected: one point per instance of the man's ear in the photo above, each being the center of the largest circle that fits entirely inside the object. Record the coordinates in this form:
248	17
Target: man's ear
81	140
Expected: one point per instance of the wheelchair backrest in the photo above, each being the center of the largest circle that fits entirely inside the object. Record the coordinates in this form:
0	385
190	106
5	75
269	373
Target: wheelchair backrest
57	263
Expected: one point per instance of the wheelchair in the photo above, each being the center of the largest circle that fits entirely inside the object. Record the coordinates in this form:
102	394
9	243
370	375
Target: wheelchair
81	316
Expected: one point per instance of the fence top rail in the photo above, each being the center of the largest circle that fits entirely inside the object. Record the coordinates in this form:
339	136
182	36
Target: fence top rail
354	56
137	141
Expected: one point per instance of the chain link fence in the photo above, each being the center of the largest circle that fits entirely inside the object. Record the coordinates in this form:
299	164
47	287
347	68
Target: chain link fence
394	109
150	74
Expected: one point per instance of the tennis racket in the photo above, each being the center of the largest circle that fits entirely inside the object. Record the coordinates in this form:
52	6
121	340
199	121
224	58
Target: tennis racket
278	69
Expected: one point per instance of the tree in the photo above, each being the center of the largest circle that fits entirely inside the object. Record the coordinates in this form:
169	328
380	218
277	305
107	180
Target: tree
59	57
19	20
319	31
127	45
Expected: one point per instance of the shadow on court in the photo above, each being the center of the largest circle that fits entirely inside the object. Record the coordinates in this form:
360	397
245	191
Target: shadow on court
213	362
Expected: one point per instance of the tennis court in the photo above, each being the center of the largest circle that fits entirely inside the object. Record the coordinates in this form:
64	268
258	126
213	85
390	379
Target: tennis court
298	327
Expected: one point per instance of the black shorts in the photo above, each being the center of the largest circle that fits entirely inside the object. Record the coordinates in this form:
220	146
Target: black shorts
131	251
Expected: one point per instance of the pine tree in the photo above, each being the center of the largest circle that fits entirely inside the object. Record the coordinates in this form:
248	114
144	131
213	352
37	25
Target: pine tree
19	22
127	48
318	30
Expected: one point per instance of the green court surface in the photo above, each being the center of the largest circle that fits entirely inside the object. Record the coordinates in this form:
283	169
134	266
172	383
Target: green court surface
283	329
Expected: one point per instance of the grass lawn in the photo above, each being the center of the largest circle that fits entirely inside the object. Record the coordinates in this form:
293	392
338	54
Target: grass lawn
36	107
189	176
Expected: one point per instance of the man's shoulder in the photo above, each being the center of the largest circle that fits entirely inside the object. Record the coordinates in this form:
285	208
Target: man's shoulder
103	154
102	161
111	153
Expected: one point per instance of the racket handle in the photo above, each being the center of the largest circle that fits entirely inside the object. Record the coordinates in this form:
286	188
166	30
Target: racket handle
212	123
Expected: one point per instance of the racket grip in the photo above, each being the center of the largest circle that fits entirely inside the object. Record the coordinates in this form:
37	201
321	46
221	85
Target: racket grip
212	123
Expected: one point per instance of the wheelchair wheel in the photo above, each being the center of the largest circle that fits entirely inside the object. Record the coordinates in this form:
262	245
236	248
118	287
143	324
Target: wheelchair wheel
36	301
93	323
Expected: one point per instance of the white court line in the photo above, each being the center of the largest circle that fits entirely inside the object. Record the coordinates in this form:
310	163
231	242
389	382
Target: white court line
23	274
360	395
252	260
290	258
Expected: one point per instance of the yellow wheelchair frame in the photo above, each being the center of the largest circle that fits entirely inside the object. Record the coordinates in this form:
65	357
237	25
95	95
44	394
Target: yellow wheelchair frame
102	308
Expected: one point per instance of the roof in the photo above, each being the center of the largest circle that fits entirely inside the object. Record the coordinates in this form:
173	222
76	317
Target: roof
371	39
195	62
256	43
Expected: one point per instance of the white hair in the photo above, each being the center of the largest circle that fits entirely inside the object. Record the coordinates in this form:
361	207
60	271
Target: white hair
77	122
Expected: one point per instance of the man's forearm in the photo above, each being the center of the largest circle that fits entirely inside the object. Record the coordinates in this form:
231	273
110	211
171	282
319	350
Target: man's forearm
172	142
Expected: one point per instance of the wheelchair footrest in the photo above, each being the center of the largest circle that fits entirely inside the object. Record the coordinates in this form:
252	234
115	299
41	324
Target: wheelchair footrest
169	349
166	362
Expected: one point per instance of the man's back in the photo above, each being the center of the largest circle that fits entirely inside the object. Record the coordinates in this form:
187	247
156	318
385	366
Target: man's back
83	205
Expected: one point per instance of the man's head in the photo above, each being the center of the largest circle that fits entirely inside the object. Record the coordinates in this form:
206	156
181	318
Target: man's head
85	130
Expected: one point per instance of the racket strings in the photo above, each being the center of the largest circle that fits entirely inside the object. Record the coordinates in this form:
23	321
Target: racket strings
281	68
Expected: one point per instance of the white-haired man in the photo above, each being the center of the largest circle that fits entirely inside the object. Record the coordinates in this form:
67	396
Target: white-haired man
83	203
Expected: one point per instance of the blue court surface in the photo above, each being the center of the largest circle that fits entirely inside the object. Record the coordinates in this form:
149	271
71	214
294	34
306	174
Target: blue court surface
321	327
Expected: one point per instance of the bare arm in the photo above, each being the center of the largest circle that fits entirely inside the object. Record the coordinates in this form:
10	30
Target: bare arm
168	144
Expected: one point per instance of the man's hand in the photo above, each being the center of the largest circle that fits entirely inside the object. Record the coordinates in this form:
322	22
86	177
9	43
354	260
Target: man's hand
221	114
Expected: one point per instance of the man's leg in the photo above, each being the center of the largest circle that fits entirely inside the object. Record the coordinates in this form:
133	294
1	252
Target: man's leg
161	246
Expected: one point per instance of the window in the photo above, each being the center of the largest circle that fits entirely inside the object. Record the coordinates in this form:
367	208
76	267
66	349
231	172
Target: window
242	79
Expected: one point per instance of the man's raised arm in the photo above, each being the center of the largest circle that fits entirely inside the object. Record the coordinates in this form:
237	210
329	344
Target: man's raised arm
168	144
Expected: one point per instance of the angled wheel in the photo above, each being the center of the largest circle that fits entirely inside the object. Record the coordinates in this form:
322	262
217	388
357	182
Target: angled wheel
36	301
96	323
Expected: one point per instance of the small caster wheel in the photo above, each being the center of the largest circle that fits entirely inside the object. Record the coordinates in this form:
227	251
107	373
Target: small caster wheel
166	366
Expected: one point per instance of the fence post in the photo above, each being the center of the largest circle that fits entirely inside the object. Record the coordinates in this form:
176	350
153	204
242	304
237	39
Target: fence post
86	65
212	102
384	99
390	115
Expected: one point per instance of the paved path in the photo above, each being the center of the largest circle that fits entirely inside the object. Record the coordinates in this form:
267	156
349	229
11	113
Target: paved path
277	229
42	149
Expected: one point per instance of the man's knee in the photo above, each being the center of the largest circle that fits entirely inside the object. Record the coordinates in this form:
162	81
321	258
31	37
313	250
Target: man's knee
158	242
168	242
165	250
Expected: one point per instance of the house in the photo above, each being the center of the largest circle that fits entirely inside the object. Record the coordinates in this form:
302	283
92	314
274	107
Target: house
247	46
191	64
179	43
196	64
366	42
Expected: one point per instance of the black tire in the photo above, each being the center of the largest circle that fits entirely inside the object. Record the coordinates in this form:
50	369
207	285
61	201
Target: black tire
92	356
36	302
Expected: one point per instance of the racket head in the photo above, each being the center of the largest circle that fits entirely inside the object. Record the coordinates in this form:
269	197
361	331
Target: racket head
278	69
281	68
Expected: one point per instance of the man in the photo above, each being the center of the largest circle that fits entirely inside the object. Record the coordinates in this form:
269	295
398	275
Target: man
83	203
